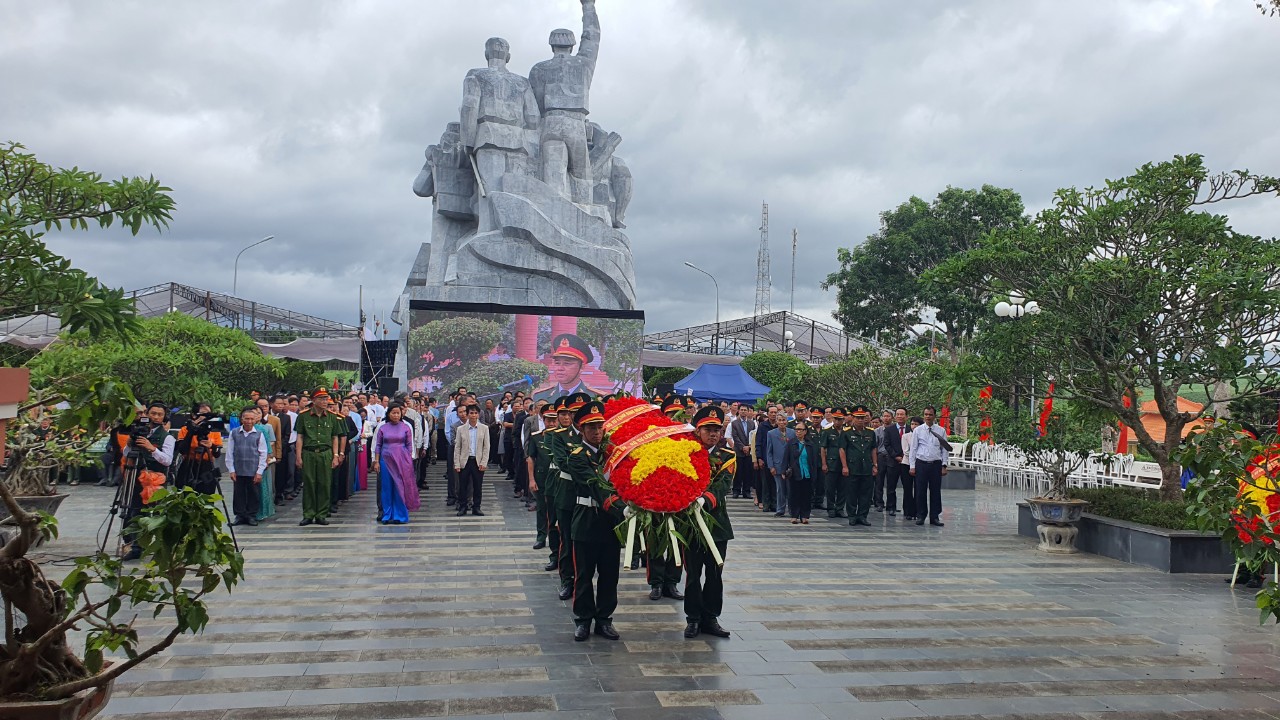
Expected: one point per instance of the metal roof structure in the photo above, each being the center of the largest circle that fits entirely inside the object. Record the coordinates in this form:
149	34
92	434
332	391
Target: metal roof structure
264	323
810	340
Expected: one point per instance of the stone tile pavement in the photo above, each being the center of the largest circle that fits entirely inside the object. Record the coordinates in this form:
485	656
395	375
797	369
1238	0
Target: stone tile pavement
454	616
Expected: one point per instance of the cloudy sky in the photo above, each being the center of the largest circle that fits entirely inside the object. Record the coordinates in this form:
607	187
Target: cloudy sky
307	120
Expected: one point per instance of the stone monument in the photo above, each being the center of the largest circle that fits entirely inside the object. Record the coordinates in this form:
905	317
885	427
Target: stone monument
528	197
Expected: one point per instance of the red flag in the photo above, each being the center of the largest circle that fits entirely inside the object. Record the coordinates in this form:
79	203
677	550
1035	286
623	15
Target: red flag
984	427
1048	409
1122	445
335	384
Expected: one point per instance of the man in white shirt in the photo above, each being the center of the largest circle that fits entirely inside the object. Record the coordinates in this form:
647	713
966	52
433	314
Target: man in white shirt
929	452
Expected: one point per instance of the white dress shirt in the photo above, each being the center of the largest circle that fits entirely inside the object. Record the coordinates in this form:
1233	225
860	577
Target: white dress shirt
229	453
926	445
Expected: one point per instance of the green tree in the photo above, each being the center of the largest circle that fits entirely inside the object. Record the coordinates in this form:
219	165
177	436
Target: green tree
446	348
35	198
880	286
781	372
1143	291
665	376
176	359
908	378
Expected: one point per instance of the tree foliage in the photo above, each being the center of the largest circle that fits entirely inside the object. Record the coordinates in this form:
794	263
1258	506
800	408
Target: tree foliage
881	288
653	377
1143	290
179	360
908	378
781	372
35	198
446	348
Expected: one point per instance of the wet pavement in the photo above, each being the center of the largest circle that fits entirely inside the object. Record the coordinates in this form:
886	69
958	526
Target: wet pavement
455	616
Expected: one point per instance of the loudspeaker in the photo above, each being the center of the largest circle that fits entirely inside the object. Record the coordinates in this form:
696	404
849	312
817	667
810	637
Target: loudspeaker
388	386
664	389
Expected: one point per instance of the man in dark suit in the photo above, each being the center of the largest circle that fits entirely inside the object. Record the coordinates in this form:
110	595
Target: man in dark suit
764	476
898	469
740	434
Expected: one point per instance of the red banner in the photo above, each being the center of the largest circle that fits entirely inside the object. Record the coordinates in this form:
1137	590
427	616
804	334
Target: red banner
984	427
1047	410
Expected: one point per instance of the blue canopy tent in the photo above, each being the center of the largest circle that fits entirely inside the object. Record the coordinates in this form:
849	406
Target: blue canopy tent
722	382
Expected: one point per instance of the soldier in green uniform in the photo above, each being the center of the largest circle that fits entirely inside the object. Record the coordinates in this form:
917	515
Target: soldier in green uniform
550	482
539	460
317	455
862	465
831	442
596	512
704	584
558	482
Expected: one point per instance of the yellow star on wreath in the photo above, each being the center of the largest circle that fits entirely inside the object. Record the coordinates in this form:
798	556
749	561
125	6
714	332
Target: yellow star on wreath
666	452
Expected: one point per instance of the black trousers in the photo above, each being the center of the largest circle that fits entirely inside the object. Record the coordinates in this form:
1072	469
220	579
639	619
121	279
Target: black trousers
899	472
704	583
877	489
450	474
245	499
470	480
564	550
837	490
859	496
591	560
928	482
420	466
660	571
742	477
767	489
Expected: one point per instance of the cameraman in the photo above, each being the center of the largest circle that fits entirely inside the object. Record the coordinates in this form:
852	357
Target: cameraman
200	445
147	444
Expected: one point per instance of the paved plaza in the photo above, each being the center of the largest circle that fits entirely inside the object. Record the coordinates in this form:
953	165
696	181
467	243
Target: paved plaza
454	616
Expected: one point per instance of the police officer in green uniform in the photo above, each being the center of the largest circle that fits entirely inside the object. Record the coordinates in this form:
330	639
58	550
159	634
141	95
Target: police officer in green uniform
596	512
862	464
317	455
831	442
539	460
704	584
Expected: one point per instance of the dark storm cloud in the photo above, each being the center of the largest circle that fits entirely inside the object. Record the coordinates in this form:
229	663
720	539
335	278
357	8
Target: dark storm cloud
307	121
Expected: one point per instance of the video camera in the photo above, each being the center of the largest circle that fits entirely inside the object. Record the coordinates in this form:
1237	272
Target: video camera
201	425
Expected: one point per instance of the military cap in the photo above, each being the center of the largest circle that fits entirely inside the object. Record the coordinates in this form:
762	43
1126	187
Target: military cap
672	403
321	393
816	412
687	401
550	410
860	411
800	404
837	413
568	345
575	401
592	412
562	404
709	415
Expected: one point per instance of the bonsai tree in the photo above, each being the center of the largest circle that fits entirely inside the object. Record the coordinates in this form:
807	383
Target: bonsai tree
1234	492
1059	449
185	556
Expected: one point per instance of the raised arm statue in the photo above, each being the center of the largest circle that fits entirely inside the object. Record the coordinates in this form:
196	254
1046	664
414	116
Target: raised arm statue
562	87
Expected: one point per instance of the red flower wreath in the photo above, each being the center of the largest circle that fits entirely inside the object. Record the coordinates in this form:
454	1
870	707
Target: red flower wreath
654	463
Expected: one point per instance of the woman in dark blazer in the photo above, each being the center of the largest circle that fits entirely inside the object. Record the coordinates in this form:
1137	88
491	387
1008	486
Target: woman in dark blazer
802	463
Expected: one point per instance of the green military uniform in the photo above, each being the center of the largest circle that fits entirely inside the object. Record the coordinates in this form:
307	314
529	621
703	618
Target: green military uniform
547	529
860	453
316	433
596	513
830	442
704	583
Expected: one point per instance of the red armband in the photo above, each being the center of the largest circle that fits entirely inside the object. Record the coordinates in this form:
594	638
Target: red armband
711	499
608	504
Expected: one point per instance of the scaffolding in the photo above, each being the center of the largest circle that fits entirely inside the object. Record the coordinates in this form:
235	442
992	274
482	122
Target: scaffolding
814	342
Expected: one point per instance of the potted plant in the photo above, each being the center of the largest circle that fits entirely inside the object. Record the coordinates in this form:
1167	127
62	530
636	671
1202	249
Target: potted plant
1058	444
1234	493
186	554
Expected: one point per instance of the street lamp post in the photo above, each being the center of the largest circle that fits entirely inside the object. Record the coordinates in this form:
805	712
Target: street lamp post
716	342
1018	306
235	274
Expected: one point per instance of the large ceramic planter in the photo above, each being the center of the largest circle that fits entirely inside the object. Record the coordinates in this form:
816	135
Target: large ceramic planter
43	503
81	706
1057	519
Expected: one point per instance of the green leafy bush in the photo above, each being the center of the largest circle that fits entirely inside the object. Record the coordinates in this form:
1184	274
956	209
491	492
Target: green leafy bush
666	376
1134	505
780	371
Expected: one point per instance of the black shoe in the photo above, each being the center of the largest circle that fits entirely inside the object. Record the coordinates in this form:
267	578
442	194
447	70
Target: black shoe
655	593
635	563
135	553
461	511
937	523
253	522
477	513
864	522
831	515
604	628
712	627
672	592
892	513
853	523
842	514
322	521
305	522
879	508
449	502
540	544
919	521
691	630
582	632
780	513
553	565
566	592
236	522
735	496
333	509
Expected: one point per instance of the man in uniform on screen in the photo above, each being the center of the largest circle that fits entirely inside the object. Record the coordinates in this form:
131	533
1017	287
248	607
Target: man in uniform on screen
569	354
